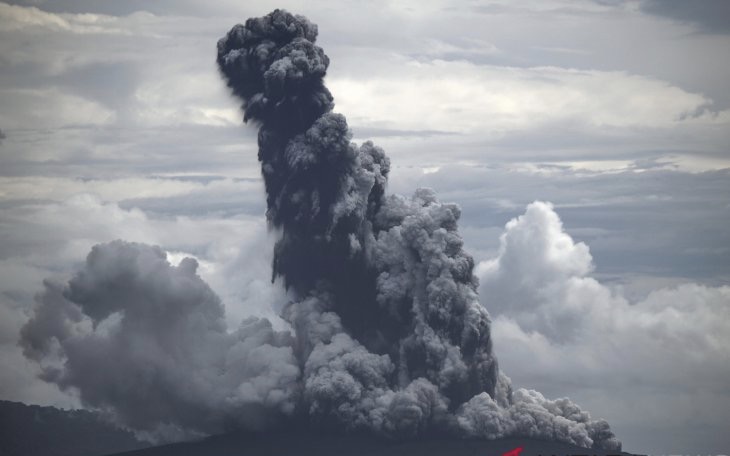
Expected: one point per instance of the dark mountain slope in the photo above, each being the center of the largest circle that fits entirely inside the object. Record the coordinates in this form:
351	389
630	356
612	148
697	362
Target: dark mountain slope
313	444
32	430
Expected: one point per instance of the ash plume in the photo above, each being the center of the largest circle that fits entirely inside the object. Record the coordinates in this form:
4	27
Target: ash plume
387	334
391	269
146	342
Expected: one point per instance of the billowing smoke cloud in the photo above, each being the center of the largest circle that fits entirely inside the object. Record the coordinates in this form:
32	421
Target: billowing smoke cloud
537	262
548	311
391	269
387	334
147	342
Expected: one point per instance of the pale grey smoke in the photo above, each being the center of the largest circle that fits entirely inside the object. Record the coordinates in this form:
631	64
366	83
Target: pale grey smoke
387	334
147	342
531	415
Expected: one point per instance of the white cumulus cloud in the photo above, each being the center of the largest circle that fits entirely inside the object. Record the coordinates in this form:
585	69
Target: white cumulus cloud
555	324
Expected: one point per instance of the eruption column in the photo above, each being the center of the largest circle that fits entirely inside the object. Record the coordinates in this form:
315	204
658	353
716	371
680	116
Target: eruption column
387	332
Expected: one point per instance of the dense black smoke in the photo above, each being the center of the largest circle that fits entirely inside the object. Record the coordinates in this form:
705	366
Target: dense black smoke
392	269
386	331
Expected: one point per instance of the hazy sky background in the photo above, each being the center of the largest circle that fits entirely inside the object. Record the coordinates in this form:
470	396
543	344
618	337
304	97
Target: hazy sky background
114	123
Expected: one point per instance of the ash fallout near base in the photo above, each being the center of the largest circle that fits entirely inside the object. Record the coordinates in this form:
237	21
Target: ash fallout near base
387	334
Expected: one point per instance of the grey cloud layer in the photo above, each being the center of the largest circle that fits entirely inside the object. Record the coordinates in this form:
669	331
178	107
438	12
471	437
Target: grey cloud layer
710	16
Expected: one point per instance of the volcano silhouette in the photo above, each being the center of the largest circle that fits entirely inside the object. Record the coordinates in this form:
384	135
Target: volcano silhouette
319	444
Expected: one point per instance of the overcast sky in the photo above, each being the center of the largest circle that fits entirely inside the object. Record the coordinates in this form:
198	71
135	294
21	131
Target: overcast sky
114	123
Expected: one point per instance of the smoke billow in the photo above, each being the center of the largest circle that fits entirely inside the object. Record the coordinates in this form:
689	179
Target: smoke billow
387	334
147	342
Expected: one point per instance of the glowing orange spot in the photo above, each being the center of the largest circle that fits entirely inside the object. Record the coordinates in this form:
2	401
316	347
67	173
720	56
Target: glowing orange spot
515	452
